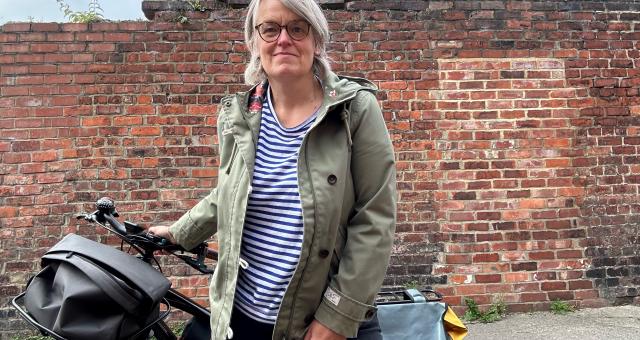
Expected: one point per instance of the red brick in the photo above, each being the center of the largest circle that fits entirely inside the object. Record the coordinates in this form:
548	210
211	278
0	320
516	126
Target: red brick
588	295
12	158
488	257
542	255
469	289
140	109
8	212
43	48
580	284
533	297
145	131
106	89
490	278
516	277
567	254
561	295
458	259
547	286
50	178
28	189
44	156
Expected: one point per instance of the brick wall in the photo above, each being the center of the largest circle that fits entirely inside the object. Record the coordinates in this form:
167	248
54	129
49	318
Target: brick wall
515	125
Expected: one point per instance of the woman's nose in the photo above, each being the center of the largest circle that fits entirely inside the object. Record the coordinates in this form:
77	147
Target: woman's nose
284	37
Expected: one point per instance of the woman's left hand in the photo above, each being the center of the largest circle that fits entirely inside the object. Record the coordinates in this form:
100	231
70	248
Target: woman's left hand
318	331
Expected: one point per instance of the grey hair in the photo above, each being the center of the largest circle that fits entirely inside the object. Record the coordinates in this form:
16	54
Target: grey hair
310	11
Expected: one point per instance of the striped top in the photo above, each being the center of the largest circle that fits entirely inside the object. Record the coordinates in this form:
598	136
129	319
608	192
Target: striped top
273	229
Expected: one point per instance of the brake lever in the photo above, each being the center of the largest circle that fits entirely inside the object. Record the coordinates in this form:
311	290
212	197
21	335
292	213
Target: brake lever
197	264
87	217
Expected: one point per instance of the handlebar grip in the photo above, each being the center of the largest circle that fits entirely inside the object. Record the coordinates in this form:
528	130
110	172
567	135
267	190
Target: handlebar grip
115	223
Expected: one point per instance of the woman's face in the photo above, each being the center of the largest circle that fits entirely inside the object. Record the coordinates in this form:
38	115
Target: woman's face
284	58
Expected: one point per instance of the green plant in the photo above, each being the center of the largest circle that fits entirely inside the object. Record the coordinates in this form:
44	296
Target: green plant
94	14
561	307
412	284
197	5
181	18
495	312
177	328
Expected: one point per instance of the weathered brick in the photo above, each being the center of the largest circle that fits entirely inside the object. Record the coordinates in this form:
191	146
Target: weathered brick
489	257
514	124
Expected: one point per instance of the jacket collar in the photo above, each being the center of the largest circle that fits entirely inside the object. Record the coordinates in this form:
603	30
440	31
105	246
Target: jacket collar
337	89
245	111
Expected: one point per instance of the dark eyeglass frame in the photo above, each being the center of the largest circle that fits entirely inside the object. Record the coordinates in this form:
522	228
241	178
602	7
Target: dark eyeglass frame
280	27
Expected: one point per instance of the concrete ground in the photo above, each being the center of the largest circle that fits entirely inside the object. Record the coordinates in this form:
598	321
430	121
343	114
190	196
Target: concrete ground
609	323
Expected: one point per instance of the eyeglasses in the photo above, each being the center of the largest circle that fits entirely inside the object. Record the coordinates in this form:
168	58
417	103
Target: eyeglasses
270	31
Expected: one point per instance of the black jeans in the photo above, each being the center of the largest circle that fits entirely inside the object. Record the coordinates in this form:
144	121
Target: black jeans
246	328
369	330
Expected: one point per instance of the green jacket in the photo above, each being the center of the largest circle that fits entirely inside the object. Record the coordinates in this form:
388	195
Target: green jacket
347	183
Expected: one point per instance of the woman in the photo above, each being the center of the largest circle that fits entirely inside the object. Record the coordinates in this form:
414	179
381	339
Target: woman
304	208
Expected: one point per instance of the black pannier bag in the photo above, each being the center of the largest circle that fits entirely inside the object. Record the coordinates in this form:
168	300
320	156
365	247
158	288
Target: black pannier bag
88	290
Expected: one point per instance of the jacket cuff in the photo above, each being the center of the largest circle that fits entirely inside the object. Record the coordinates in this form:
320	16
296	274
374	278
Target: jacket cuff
343	314
181	230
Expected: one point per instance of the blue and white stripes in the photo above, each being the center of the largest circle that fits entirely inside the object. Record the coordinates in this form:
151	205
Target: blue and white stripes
273	230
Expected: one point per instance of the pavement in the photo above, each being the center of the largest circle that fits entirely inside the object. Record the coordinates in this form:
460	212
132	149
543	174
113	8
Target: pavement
609	323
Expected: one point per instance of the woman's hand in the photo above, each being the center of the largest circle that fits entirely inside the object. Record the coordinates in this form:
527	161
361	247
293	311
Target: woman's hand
318	331
162	231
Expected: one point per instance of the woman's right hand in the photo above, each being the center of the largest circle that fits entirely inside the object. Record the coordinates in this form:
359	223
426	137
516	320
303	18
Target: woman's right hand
162	231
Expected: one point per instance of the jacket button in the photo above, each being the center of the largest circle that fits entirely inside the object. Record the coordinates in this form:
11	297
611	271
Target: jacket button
332	179
308	319
323	253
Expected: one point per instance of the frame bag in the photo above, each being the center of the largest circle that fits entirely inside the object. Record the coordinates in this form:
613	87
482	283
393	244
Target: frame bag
88	290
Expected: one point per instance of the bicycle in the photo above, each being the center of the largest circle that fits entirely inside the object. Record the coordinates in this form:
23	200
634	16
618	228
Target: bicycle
147	245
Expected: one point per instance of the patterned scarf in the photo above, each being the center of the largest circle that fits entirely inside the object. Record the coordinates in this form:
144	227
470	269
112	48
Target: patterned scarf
256	98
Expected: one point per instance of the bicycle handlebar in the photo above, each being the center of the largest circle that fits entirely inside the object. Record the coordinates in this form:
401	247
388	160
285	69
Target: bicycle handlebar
147	243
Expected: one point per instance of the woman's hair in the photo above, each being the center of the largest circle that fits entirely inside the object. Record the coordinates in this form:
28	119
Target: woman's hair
310	11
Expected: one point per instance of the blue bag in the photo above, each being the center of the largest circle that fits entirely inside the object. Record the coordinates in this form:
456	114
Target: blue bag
413	318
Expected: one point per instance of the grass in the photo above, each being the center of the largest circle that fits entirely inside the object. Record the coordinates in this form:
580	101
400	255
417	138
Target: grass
561	307
495	312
